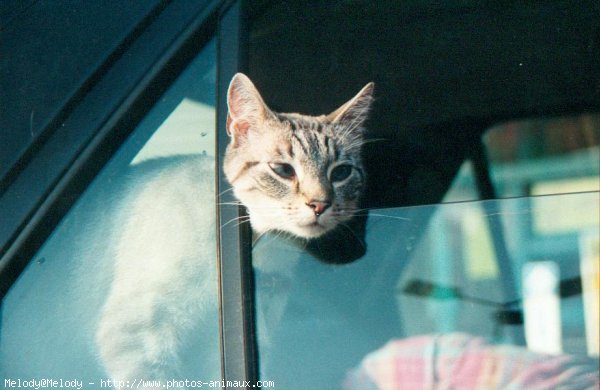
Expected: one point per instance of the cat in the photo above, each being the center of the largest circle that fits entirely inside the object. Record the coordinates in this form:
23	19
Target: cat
297	174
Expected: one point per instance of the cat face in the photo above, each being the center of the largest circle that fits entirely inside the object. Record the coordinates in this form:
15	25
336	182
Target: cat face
295	173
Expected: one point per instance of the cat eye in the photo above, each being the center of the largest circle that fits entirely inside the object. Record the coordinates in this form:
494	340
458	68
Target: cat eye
340	173
283	170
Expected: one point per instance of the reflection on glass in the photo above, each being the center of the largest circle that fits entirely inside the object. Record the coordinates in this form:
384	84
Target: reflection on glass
537	157
115	292
541	306
589	246
545	156
438	284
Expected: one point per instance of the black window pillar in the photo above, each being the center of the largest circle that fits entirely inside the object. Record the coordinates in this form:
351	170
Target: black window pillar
238	346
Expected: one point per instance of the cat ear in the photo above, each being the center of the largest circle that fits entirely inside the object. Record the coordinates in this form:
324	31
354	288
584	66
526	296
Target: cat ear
354	111
246	107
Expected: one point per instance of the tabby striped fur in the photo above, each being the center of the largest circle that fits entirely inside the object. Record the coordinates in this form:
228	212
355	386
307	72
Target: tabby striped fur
295	173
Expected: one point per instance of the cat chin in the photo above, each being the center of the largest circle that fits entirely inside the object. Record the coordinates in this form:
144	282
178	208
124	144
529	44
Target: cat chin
312	231
306	232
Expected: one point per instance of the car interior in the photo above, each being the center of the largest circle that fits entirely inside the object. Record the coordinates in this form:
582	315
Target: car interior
473	263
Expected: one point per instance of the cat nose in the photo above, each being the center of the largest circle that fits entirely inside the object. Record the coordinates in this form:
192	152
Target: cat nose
318	206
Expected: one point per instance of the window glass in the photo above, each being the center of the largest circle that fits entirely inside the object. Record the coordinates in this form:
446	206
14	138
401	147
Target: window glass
126	286
67	40
537	157
445	283
546	156
440	287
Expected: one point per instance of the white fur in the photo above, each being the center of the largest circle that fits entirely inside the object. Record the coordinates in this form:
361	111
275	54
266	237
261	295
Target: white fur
164	274
156	234
126	289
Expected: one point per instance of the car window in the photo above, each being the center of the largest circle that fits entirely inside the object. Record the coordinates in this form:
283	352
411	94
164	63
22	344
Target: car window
38	39
537	157
53	315
435	288
445	289
509	278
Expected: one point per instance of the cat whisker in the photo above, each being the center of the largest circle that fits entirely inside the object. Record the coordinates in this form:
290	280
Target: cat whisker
277	233
225	191
366	212
241	219
372	140
390	217
354	234
349	212
258	237
235	203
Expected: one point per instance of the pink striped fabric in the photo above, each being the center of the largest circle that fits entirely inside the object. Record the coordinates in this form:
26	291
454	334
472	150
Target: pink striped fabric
460	361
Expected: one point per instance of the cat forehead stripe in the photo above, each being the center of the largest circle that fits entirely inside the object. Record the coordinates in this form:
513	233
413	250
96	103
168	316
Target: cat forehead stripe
302	123
315	146
301	142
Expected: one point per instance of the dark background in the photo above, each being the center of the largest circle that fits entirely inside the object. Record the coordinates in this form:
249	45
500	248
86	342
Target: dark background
444	73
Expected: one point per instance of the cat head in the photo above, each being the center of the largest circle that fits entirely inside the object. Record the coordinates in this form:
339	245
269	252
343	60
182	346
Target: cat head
295	173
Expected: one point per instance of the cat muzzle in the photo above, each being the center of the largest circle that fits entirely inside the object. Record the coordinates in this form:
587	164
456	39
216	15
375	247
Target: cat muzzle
318	207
